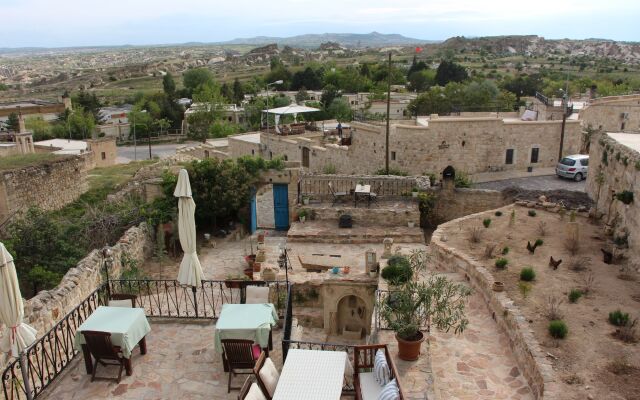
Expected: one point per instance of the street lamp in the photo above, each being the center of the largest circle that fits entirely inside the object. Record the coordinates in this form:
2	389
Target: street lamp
278	82
135	148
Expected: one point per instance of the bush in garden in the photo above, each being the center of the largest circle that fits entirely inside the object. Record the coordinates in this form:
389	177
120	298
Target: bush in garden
558	329
574	295
618	318
502	263
539	242
527	274
498	213
486	222
532	213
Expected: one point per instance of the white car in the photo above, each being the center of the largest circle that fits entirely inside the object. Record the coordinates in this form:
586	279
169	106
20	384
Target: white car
573	167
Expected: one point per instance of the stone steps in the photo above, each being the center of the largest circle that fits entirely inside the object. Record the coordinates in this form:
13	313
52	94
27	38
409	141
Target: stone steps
327	231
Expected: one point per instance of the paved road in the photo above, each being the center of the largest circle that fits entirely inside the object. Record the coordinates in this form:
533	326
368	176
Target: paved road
551	182
164	150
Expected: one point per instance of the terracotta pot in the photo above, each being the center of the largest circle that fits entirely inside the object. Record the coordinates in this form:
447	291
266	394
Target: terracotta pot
249	273
257	266
234	283
498	286
250	259
409	350
261	238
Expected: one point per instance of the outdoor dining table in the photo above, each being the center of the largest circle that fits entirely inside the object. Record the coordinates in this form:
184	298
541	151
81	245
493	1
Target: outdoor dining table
128	327
362	191
311	375
245	321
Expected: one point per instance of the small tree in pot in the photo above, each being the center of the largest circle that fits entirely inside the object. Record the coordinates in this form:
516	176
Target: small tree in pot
434	300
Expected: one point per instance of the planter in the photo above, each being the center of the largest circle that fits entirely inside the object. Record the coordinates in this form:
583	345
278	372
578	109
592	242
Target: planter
346	270
249	273
498	286
414	194
302	219
250	259
409	350
235	283
257	266
305	201
269	274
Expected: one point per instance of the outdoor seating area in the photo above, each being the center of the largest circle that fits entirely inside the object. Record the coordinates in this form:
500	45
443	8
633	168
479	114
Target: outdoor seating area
360	193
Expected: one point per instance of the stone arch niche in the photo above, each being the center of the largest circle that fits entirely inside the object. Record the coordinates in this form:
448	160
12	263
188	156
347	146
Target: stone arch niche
448	177
348	308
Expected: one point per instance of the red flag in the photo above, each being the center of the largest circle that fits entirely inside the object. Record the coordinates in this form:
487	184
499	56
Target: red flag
418	49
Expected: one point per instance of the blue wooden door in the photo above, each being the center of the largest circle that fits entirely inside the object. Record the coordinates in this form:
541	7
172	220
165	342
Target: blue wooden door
281	206
253	225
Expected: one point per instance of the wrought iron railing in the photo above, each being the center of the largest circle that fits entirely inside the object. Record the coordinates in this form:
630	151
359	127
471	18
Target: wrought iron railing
347	386
51	353
288	324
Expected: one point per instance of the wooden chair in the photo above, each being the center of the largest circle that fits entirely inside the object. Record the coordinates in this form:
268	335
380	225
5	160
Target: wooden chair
120	299
261	364
337	196
101	348
238	355
250	386
364	359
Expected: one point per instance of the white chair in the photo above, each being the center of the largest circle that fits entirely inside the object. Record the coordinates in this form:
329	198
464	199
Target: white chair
267	375
257	294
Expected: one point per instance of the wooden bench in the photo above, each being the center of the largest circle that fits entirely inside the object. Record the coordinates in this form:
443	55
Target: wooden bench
365	385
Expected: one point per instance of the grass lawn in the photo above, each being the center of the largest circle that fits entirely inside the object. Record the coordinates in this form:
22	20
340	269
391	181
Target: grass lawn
26	160
109	178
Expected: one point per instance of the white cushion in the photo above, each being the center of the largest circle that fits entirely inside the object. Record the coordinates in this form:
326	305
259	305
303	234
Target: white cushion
257	294
120	303
269	376
255	393
369	388
390	391
381	368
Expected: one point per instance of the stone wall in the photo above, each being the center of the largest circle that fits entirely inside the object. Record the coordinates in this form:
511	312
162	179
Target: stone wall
613	114
104	151
531	359
49	306
452	203
239	146
619	171
50	185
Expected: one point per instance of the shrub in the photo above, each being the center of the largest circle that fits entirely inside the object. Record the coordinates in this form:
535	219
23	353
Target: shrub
558	329
618	318
553	311
501	263
489	249
539	242
398	270
505	251
625	196
574	295
525	288
512	218
542	228
498	214
527	274
572	245
475	235
579	263
486	222
462	180
329	169
532	213
392	171
628	332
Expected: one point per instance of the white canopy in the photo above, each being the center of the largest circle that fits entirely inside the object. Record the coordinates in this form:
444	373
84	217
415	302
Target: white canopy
190	272
291	109
17	335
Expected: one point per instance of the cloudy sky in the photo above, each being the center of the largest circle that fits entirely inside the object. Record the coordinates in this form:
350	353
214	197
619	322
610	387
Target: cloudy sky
54	23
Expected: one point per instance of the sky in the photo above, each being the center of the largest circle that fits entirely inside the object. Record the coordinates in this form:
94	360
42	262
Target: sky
61	23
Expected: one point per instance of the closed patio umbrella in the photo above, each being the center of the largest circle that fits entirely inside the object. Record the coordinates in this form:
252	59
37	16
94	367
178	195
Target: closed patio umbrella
17	335
190	272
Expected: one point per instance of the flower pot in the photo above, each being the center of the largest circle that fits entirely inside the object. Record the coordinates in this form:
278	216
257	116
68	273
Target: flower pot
305	201
498	286
414	194
346	270
257	266
261	238
250	259
409	350
249	273
302	219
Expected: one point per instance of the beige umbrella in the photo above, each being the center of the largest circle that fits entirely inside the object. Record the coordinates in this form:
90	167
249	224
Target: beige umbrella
190	272
17	335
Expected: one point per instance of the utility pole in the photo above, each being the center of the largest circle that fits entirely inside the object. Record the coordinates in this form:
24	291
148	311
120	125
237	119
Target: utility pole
564	121
386	160
149	141
135	148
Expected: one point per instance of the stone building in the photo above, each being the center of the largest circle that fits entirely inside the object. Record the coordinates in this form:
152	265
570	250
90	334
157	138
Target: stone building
47	110
99	152
613	114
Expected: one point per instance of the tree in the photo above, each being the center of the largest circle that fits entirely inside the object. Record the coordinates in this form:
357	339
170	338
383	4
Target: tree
238	92
449	71
419	81
87	101
169	85
13	122
340	110
302	95
329	93
196	78
222	129
39	127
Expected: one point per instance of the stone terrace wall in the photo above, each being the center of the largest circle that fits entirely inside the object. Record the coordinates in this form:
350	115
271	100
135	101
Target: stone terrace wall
530	357
455	203
49	306
50	186
618	176
317	185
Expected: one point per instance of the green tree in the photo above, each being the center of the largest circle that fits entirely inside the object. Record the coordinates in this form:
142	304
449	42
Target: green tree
450	71
340	110
169	85
88	102
221	129
329	93
238	92
13	122
419	81
39	127
196	78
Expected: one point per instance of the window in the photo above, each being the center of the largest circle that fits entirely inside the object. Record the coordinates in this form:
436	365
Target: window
622	126
535	152
103	155
286	158
270	155
253	152
568	162
393	155
584	162
509	158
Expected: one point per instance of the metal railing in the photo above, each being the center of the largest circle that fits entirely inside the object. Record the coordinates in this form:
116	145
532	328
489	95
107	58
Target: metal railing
347	386
50	354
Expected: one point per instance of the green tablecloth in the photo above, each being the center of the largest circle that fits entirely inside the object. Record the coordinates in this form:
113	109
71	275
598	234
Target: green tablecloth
245	321
126	325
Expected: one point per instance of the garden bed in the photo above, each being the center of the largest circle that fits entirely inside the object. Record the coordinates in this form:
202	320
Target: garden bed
590	360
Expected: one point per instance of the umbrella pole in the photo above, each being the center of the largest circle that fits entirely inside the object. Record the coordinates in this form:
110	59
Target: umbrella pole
195	299
25	376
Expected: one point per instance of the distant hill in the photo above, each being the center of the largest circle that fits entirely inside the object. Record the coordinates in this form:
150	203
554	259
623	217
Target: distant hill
373	39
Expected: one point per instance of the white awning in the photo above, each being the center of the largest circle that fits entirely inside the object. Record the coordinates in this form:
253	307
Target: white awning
291	109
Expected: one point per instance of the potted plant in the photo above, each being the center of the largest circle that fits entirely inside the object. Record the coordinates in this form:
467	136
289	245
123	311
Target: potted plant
302	215
414	192
305	200
436	301
237	281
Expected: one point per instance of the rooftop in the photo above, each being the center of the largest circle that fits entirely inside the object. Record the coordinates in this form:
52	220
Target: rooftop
65	146
631	140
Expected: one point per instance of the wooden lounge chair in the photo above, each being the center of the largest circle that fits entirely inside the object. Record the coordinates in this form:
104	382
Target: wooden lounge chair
101	348
123	300
364	382
337	196
251	390
238	355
